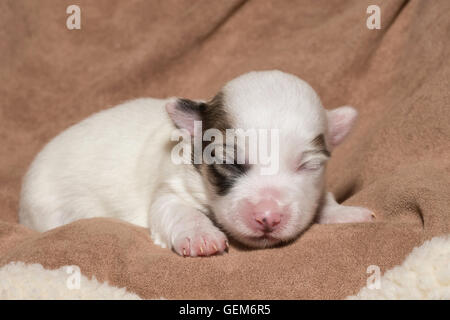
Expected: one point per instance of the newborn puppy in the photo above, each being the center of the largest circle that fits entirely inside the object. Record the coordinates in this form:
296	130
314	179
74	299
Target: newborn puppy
144	162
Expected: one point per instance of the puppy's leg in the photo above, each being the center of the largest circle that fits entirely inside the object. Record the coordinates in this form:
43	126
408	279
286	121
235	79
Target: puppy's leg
183	228
332	212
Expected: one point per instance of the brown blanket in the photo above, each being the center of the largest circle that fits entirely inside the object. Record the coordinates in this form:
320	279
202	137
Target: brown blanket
396	162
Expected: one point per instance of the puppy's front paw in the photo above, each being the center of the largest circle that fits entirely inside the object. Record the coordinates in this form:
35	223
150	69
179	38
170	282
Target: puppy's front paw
205	241
346	214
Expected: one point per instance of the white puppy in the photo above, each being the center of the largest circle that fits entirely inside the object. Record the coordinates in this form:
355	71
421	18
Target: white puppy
120	163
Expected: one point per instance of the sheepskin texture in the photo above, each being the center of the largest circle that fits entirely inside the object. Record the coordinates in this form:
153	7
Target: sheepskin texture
32	281
425	274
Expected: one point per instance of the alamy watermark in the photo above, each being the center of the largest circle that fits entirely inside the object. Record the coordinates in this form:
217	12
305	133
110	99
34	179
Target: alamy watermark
235	146
374	20
73	21
374	280
73	281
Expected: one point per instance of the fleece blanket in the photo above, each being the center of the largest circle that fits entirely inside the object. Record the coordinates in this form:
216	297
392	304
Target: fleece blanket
425	274
396	162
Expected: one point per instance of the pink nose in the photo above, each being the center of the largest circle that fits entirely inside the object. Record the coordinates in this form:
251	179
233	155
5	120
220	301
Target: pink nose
267	215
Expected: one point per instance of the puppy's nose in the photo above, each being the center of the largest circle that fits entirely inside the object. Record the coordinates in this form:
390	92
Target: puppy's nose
267	215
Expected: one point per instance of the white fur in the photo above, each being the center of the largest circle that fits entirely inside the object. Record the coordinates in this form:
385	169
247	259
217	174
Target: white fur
425	274
332	212
117	163
109	165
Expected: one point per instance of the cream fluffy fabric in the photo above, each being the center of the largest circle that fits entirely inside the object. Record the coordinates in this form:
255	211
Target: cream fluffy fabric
425	274
31	281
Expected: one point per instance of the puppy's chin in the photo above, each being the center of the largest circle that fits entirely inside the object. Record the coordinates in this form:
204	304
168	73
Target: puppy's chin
262	241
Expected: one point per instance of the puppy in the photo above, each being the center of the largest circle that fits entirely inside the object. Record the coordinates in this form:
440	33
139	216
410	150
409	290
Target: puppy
167	165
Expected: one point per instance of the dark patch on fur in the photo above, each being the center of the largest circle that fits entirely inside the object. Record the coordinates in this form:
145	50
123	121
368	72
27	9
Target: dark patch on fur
221	181
319	144
213	115
189	106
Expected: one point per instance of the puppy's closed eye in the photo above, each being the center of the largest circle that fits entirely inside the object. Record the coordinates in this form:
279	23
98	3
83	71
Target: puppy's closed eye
311	165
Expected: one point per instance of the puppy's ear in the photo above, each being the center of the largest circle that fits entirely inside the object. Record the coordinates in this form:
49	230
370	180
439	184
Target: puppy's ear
184	112
340	122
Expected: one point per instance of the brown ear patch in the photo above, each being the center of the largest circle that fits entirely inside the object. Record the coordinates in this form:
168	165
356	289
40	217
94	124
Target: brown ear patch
189	106
214	114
